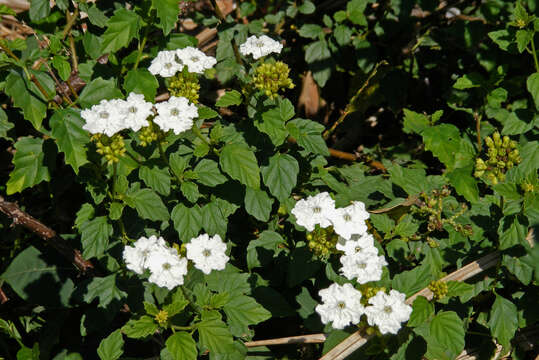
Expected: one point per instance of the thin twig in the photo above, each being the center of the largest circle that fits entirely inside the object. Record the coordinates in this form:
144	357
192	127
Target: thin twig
70	22
3	297
301	339
478	130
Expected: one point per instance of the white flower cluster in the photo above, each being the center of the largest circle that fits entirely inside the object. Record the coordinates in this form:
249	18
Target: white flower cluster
260	46
167	268
168	62
111	116
360	261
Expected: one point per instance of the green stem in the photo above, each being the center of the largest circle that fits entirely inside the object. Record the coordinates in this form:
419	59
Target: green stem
199	135
114	174
141	47
162	152
176	327
534	54
134	158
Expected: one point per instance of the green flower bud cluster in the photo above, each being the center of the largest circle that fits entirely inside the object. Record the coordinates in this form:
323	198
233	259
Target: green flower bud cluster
368	291
185	84
270	78
502	156
438	288
162	317
113	148
432	243
527	187
322	242
148	134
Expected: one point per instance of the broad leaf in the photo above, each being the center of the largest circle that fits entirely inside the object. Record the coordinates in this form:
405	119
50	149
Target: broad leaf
95	236
148	204
67	130
229	98
33	108
448	329
182	346
140	328
503	320
281	175
29	169
187	221
240	163
242	311
308	135
208	173
111	348
105	289
97	90
258	203
167	12
122	27
141	81
214	334
156	178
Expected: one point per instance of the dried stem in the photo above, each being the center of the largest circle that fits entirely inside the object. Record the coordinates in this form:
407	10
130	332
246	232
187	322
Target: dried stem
19	217
3	297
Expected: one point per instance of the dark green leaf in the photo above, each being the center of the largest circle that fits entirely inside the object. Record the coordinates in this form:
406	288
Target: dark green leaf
62	66
213	219
232	97
105	289
447	328
156	178
122	27
167	12
39	9
307	7
148	204
97	90
258	203
182	346
257	250
355	10
67	130
29	169
240	163
533	87
422	311
242	311
213	333
208	173
311	31
140	328
95	236
281	174
503	320
141	81
308	134
5	125
464	183
96	16
410	282
187	221
111	348
34	109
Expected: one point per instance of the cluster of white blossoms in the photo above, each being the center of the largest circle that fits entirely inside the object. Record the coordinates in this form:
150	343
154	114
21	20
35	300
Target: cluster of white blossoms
167	268
176	114
341	305
111	116
168	62
260	46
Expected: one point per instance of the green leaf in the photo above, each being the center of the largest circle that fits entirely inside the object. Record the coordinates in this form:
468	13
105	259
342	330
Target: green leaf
71	138
415	122
213	333
28	162
156	178
111	348
242	311
141	81
258	203
96	16
318	56
413	181
187	221
281	174
258	249
97	90
5	125
179	163
240	163
213	219
311	31
140	328
355	10
523	38
406	226
182	346
62	66
532	84
180	41
39	9
469	81
444	142
382	222
512	231
32	274
465	184
307	7
95	236
343	34
503	321
522	270
105	289
33	108
233	283
122	27
208	173
502	38
167	12
205	112
410	282
448	329
232	97
5	10
308	134
148	205
422	311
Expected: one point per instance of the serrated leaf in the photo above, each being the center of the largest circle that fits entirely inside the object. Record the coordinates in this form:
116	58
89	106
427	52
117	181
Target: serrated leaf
95	236
29	169
213	333
208	173
281	175
308	135
167	12
532	84
448	329
62	66
111	348
85	213
261	250
258	203
39	9
156	178
240	163
521	269
214	220
465	184
190	190
317	54
182	346
71	138
122	27
141	81
97	90
512	231
311	31
205	113
410	282
5	125
233	283
273	123
242	311
187	221
96	16
105	289
523	38
422	311
34	109
148	205
229	98
415	122
503	321
444	142
140	328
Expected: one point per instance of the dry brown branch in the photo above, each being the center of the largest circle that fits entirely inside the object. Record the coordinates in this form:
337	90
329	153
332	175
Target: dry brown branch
301	339
19	217
16	5
3	297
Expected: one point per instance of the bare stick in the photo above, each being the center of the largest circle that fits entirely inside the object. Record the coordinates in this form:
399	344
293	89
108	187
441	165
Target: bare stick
301	339
19	217
3	297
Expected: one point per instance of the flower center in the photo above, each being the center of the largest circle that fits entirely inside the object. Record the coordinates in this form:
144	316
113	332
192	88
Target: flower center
206	252
317	209
259	44
194	59
166	266
104	115
347	217
362	265
388	309
174	112
341	305
358	249
168	65
133	110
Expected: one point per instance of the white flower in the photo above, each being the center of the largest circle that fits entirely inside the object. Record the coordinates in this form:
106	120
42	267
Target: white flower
167	267
314	210
350	220
195	60
208	253
341	305
176	114
260	46
135	257
136	111
104	118
357	244
165	64
388	311
362	266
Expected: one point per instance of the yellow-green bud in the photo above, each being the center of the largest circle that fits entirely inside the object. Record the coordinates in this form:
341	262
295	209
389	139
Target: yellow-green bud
497	139
185	84
271	78
162	317
439	289
488	141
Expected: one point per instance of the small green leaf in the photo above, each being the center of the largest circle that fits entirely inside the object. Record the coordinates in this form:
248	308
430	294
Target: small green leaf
187	221
214	220
105	289
95	236
444	142
39	9
148	205
258	203
182	346
415	122
422	311
411	281
318	56
62	66
29	169
232	97
33	108
308	134
281	174
111	348
141	81
190	190
242	311
268	247
5	125
156	178
503	320
240	163
448	329
122	27
97	90
523	38
307	7
532	84
96	16
311	31
214	334
167	12
465	184
71	138
140	328
355	10
208	173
